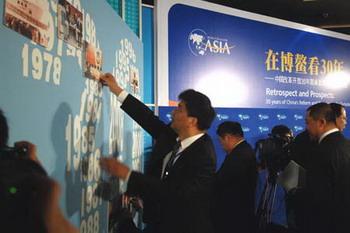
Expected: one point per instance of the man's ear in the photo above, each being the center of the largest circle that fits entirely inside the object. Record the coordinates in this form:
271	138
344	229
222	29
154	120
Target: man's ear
194	121
322	122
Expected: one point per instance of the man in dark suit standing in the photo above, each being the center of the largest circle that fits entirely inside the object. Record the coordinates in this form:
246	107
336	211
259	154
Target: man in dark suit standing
234	185
176	187
328	177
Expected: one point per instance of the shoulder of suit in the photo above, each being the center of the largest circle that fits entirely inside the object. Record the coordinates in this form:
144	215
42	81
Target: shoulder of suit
244	148
203	144
244	145
204	138
335	136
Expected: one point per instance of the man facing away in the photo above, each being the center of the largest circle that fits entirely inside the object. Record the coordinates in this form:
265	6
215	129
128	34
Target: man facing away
235	181
176	186
328	177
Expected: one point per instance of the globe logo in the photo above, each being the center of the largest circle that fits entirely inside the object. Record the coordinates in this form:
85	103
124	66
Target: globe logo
243	117
169	117
263	117
298	117
263	129
245	129
298	128
222	117
197	42
281	117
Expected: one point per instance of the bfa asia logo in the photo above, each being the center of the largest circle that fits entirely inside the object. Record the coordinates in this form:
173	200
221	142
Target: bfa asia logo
263	129
243	117
298	117
201	44
281	117
263	117
169	117
222	117
298	128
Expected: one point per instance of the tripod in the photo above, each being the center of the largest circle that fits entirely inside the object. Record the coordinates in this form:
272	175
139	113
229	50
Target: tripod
264	210
267	204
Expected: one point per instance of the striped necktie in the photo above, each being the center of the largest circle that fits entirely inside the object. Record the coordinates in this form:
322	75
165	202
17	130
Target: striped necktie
171	161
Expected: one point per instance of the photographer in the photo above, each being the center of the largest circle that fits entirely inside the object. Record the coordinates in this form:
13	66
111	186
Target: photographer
22	148
29	199
123	210
274	155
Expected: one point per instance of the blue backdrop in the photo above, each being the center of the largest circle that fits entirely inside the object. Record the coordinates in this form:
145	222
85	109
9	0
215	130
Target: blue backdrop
256	123
241	62
257	70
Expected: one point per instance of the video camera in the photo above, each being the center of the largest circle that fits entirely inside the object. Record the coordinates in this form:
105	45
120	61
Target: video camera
274	152
14	152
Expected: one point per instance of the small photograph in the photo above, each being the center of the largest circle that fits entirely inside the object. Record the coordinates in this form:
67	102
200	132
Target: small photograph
29	18
134	79
93	61
70	24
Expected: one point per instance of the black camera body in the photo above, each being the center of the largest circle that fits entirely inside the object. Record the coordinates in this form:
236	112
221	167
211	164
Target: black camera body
274	152
14	152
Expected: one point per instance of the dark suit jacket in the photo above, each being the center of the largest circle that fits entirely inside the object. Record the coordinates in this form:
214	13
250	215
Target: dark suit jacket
303	148
180	203
328	186
234	191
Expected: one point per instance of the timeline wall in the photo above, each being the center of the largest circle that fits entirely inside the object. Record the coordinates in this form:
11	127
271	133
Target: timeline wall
50	92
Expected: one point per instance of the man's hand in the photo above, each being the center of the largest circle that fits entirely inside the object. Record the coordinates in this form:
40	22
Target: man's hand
109	80
114	167
31	150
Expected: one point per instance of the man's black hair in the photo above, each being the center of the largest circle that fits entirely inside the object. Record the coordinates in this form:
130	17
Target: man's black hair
230	127
337	109
322	111
199	106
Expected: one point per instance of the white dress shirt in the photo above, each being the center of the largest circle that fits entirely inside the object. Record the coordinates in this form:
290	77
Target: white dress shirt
184	144
327	133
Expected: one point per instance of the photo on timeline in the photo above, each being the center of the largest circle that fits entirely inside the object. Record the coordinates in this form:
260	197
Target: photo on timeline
70	24
29	18
92	61
134	80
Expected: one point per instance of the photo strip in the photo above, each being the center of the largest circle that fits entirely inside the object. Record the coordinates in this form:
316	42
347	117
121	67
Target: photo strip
134	79
70	24
93	61
29	18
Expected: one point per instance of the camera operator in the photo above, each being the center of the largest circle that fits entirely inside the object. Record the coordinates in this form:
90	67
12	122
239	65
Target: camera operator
274	155
29	199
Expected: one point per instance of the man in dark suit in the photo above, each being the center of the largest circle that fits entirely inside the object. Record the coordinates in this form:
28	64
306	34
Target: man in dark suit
234	185
328	178
176	188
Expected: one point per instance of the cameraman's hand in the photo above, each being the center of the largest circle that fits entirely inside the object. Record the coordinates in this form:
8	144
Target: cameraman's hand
31	149
109	80
114	167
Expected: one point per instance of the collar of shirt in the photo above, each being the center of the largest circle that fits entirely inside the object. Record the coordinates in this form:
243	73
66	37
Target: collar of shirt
184	144
188	141
239	142
327	133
